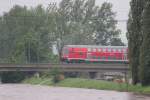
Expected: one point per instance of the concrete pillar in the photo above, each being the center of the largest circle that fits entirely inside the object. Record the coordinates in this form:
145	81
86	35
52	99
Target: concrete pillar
99	75
84	75
92	75
37	75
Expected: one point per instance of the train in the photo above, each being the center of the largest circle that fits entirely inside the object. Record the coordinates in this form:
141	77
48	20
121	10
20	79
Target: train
94	53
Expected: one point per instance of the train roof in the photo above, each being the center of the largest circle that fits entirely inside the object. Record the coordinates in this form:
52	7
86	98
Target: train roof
95	46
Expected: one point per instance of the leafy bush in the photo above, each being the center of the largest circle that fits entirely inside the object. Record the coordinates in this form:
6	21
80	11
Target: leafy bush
13	77
56	75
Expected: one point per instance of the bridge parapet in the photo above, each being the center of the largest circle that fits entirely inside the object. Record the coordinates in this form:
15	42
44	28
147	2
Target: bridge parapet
66	67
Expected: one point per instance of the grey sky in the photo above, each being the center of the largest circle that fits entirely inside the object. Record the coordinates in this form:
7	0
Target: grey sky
121	7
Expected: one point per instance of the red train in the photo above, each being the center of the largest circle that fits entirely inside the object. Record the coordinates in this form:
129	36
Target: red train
87	53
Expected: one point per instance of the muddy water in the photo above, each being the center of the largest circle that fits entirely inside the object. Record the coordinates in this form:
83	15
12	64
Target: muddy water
36	92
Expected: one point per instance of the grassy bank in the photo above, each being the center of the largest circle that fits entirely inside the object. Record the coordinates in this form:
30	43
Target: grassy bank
90	84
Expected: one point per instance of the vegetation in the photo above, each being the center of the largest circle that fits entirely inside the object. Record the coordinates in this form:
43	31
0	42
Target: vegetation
135	37
7	77
28	34
39	81
21	35
90	84
145	48
138	37
56	75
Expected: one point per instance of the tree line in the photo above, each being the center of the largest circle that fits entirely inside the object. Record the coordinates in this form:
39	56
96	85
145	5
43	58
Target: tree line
27	34
139	41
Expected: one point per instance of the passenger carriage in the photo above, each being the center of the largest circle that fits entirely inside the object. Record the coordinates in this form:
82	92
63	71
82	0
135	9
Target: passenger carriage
87	53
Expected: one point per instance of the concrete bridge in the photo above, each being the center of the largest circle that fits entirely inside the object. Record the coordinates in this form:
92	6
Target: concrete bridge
96	71
67	67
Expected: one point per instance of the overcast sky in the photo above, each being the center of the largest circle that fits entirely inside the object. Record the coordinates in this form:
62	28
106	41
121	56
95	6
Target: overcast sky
121	7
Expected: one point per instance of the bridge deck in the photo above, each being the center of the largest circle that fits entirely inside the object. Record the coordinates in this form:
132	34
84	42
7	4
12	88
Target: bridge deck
66	67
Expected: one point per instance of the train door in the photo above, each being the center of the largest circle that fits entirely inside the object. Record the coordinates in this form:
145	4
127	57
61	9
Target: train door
125	54
89	53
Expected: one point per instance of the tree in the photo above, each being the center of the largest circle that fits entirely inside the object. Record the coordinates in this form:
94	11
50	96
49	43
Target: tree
134	36
145	49
72	23
105	25
117	42
85	23
28	34
25	35
24	39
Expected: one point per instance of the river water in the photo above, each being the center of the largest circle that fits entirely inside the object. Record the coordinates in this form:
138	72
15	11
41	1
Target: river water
37	92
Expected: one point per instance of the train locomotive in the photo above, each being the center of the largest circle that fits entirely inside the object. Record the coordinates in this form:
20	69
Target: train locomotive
87	53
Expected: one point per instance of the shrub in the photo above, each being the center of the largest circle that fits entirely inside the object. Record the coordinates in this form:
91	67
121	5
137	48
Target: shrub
57	75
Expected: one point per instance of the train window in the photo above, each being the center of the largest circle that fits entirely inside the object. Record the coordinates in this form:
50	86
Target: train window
99	50
126	50
119	50
89	49
114	50
123	50
94	50
104	50
109	49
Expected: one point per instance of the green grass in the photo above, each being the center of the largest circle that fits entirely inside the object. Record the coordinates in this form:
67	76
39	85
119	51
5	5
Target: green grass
90	84
40	81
